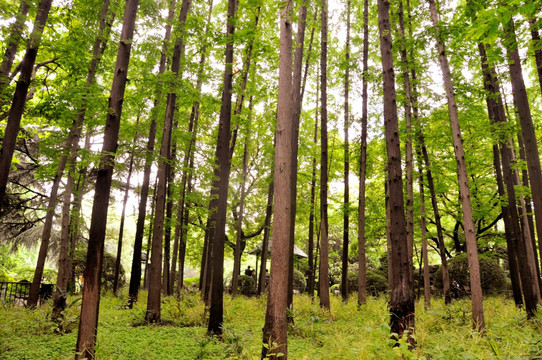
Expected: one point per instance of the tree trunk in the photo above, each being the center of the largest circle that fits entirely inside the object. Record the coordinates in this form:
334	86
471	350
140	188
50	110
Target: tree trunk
402	295
426	275
121	226
237	251
220	186
521	102
346	206
362	259
88	323
275	328
505	178
297	104
72	143
408	143
266	231
324	241
468	222
153	312
19	97
135	278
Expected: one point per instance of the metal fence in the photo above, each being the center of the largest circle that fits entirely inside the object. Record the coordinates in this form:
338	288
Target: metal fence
17	292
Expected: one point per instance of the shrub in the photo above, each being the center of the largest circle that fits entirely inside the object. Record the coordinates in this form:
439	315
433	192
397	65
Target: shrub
189	281
377	282
246	285
108	271
300	283
492	275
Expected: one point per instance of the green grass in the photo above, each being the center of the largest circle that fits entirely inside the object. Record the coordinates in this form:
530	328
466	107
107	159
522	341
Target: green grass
347	332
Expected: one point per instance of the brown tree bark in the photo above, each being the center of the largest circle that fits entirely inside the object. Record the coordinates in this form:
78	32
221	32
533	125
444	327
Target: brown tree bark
312	217
266	232
402	294
468	222
275	328
88	323
408	143
153	312
121	226
239	230
505	177
219	191
362	259
323	275
19	97
135	278
521	102
346	205
298	101
426	275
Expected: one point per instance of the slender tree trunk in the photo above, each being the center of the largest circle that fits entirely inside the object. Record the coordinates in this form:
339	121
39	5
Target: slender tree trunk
135	278
362	259
237	251
153	312
402	295
220	186
505	178
324	241
88	323
468	222
19	97
297	104
275	328
121	226
521	101
346	206
408	143
266	232
72	143
15	35
149	237
426	276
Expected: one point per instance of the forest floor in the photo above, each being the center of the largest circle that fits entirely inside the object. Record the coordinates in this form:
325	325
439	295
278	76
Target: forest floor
347	332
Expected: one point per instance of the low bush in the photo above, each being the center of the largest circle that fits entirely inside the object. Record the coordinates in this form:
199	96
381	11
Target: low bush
492	275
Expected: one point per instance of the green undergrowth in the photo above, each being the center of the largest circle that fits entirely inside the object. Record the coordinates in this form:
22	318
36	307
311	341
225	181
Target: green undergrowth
346	332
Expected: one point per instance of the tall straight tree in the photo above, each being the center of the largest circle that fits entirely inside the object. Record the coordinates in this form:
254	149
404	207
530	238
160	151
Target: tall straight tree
323	273
468	222
19	97
405	65
362	261
64	263
219	192
346	205
275	328
116	283
523	108
153	301
88	323
298	101
401	303
135	278
188	164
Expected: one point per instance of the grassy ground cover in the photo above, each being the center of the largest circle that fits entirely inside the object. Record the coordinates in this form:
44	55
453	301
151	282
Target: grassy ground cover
347	332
